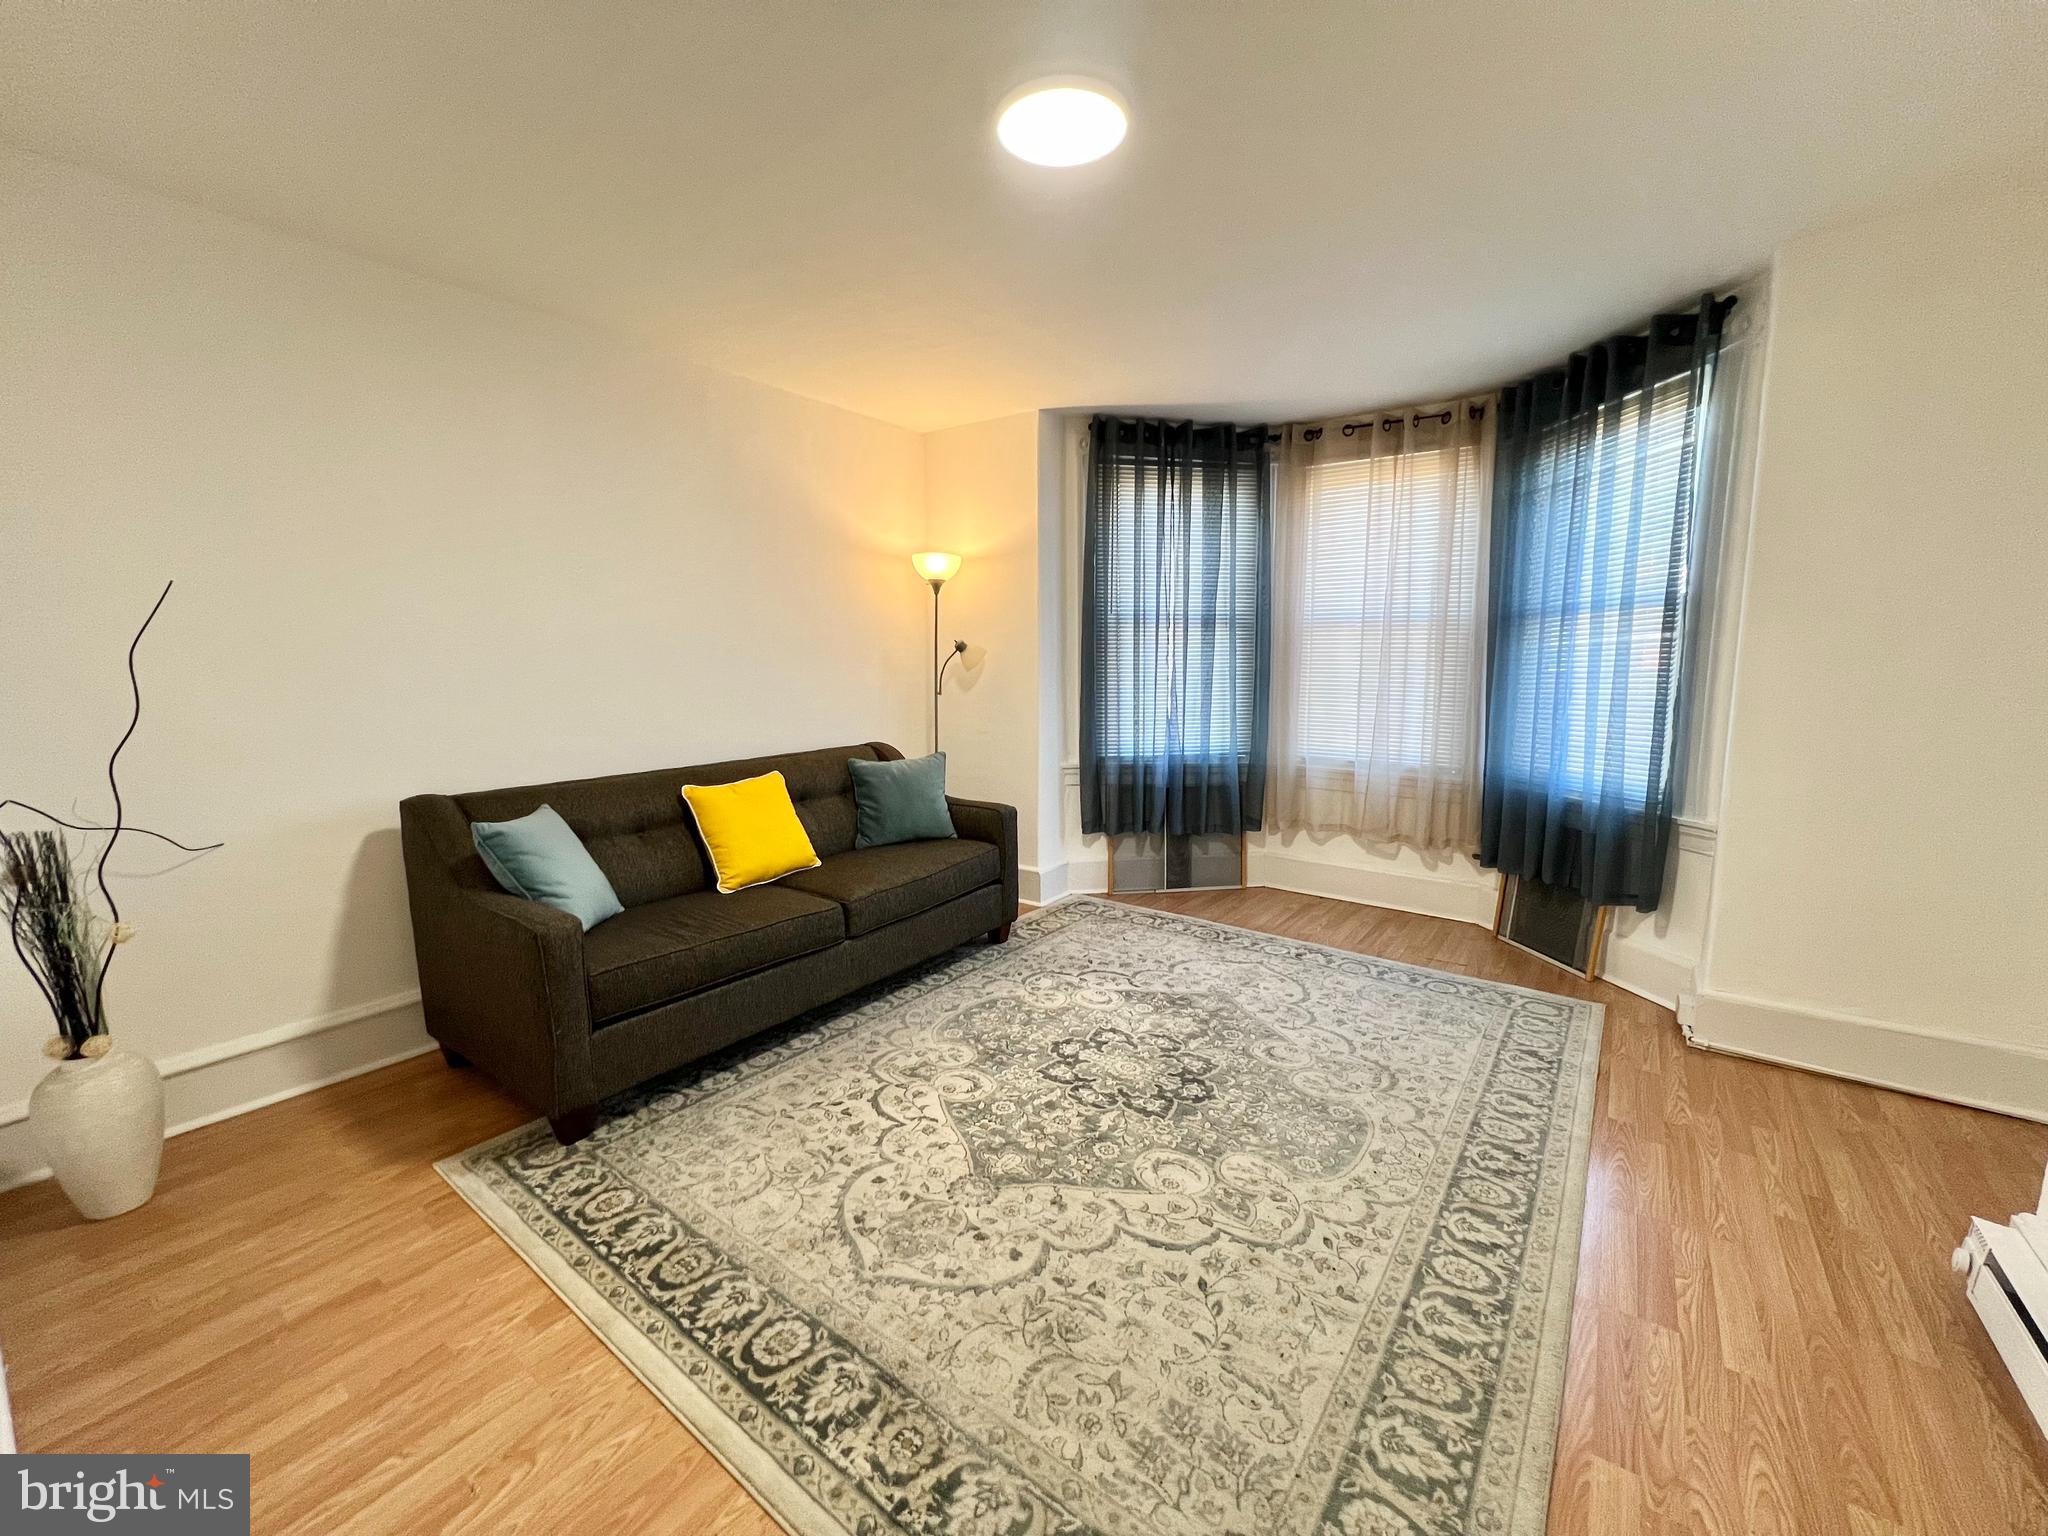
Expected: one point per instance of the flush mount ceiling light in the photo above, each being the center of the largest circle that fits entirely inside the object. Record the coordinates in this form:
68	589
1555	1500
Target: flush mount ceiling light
1062	122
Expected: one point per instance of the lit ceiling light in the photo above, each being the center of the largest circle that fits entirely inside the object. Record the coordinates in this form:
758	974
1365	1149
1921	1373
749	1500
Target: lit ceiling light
1062	123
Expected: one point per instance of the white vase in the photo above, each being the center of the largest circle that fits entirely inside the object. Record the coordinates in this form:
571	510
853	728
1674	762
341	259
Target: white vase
100	1125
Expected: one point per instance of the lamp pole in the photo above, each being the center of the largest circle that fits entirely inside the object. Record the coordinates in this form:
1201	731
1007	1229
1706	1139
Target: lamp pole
939	667
937	567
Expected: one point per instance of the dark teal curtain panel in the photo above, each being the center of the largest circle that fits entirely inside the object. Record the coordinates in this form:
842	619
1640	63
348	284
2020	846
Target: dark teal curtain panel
1176	621
1595	521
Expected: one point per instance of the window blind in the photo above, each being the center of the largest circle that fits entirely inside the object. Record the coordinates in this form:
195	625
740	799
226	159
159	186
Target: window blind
1175	627
1389	652
1380	530
1180	618
1599	604
1595	520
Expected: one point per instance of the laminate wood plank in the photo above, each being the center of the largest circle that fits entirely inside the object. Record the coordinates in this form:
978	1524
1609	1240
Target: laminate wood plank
1767	1336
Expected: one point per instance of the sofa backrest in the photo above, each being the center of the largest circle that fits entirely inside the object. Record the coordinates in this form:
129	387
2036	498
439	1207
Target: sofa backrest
642	837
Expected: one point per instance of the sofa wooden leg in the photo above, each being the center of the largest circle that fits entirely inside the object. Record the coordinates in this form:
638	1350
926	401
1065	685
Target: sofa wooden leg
454	1058
575	1125
999	935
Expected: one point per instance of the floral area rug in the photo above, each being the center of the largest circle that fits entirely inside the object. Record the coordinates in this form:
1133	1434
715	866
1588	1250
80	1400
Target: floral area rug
1135	1224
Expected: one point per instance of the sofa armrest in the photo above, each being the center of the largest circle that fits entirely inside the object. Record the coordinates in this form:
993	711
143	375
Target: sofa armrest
986	821
519	1002
502	978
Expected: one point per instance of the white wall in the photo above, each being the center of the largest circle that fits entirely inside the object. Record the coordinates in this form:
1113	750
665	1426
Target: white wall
1880	907
983	502
1053	647
423	540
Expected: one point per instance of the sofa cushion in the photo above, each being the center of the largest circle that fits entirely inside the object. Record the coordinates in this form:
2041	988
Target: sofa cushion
879	885
654	953
901	802
750	830
636	828
538	857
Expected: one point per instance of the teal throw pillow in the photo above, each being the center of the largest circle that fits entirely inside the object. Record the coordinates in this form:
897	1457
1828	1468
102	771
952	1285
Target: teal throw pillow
540	858
899	802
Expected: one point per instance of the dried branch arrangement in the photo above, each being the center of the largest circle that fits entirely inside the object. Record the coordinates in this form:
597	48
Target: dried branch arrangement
58	933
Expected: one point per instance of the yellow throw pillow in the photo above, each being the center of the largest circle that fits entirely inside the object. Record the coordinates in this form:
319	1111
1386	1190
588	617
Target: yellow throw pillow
751	829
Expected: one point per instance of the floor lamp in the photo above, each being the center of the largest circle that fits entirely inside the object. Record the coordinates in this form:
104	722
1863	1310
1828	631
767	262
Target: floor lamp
938	568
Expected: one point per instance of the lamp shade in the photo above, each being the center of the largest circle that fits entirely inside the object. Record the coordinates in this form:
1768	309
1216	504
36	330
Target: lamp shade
935	565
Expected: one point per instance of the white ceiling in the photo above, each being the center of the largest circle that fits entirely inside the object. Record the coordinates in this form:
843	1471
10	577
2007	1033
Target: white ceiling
1320	206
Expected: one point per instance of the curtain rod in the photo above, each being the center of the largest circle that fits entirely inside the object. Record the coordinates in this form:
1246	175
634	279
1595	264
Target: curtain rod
1719	308
1477	411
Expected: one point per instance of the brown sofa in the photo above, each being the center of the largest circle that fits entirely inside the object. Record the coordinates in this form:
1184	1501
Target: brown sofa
563	1018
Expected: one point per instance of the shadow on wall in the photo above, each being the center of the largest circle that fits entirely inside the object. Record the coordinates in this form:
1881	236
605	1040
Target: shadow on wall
370	954
1342	847
966	673
370	959
1682	903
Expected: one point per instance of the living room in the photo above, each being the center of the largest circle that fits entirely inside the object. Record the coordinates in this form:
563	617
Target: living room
1055	767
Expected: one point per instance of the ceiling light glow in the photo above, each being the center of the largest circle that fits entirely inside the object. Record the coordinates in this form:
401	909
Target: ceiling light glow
1062	123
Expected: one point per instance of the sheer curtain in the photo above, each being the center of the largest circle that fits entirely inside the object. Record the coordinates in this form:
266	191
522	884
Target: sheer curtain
1727	486
1596	551
1175	627
1379	623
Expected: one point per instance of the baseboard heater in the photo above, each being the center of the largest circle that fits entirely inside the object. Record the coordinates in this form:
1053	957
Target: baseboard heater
2007	1270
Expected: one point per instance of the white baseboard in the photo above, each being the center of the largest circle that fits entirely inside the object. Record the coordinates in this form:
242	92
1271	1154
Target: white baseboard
1962	1069
1087	877
233	1077
1635	965
1660	975
1041	887
1461	899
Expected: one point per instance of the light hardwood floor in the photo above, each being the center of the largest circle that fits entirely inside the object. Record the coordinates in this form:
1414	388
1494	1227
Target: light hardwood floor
1767	1335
